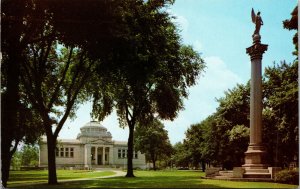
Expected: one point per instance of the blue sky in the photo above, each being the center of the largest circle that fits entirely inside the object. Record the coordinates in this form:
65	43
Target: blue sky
221	31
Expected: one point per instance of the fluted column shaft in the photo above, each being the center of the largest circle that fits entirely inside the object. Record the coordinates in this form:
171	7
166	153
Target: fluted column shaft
255	155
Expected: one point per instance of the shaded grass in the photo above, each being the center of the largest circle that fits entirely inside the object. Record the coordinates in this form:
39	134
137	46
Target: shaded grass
160	179
21	178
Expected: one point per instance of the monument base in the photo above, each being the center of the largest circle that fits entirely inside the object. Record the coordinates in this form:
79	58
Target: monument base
255	157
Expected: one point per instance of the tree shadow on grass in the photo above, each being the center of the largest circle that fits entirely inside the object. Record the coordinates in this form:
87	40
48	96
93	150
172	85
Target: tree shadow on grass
137	182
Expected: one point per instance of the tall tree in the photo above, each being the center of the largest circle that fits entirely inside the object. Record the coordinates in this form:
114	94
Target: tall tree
16	34
53	80
153	70
152	139
194	137
180	157
292	24
281	109
232	119
54	85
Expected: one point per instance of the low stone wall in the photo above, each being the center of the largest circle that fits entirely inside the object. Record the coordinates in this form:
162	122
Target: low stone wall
212	171
274	171
238	172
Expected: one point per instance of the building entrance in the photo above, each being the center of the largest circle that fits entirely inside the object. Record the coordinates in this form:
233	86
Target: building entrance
99	160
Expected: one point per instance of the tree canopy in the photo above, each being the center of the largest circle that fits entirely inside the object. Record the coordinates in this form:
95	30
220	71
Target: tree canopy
215	139
132	46
152	139
151	70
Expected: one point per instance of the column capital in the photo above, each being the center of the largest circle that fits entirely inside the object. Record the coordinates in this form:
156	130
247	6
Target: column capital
257	49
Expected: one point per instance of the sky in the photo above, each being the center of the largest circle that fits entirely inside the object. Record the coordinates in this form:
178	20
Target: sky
220	30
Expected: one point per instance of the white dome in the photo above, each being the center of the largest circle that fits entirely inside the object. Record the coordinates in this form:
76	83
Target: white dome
94	129
93	124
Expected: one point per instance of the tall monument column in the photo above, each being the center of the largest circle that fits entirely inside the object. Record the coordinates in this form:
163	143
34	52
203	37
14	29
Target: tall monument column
255	155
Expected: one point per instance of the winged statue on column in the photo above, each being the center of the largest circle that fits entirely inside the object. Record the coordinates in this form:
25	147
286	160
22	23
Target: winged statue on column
256	19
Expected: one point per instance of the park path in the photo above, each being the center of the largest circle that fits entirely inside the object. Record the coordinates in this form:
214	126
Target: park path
118	173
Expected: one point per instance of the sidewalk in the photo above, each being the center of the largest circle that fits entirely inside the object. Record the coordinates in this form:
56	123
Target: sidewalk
117	174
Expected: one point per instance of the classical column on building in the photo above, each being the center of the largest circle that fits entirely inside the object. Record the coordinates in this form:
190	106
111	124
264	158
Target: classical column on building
111	155
85	157
103	155
255	155
96	155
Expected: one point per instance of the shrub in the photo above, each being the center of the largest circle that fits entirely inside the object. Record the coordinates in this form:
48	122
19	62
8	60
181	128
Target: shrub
288	176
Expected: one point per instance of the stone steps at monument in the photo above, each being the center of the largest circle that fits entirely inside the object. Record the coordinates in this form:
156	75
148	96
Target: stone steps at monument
257	170
226	173
256	175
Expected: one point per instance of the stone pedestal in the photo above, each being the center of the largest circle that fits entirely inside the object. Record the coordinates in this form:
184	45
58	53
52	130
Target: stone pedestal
255	155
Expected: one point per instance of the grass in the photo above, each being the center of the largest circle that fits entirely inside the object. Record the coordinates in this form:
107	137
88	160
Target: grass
143	179
22	178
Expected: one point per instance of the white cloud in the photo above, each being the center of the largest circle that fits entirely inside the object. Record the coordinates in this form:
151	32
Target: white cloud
198	46
181	23
201	102
218	77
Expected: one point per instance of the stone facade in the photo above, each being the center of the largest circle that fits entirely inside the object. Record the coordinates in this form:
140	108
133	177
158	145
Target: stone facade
93	147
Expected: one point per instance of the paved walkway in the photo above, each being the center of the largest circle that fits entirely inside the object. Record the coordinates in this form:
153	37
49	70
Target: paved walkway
118	173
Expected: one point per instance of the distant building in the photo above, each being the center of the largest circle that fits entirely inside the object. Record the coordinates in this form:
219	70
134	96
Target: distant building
93	147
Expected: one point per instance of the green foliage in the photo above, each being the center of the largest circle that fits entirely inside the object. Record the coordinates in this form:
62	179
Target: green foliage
292	24
16	161
288	177
281	111
29	155
150	70
180	156
214	139
194	152
237	132
153	140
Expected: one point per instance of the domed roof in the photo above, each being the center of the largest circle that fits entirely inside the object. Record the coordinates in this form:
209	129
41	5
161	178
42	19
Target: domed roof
95	130
93	124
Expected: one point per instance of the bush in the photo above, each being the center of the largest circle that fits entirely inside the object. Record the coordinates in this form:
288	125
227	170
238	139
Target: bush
288	177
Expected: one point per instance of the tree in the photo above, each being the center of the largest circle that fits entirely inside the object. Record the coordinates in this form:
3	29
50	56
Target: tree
54	86
153	140
292	24
180	157
194	137
27	129
16	34
213	141
152	72
281	91
16	161
52	80
29	155
232	125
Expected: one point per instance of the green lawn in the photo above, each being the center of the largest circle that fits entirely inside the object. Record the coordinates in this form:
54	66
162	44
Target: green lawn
22	178
143	179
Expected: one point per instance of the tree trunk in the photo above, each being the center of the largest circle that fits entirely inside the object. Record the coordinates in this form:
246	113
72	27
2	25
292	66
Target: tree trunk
9	111
6	160
130	151
153	160
51	145
154	165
